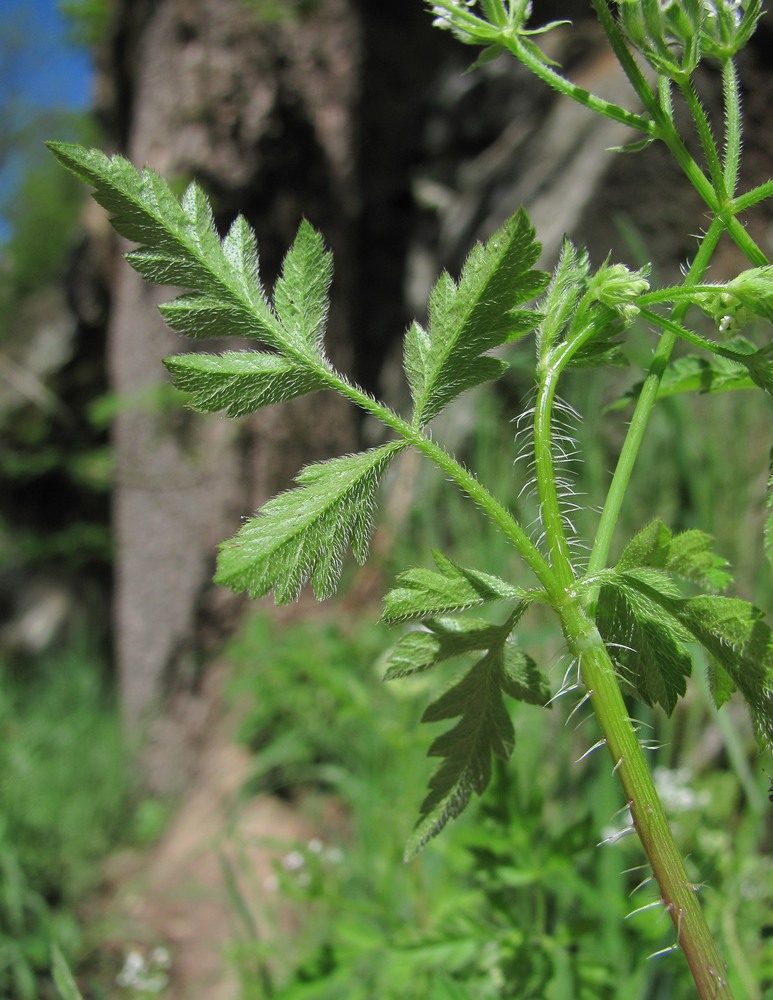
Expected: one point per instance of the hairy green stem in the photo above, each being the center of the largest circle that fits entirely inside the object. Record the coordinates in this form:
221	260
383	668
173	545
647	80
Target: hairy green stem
662	127
677	892
753	197
597	671
547	484
670	327
607	109
463	478
630	67
643	411
706	136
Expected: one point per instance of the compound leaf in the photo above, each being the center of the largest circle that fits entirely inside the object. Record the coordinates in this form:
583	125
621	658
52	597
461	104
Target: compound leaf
473	317
239	382
302	534
733	632
484	728
424	593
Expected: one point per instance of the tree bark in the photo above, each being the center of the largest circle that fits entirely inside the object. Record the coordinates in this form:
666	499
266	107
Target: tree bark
262	115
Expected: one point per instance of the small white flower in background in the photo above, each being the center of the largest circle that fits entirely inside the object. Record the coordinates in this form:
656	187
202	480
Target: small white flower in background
315	846
145	975
133	968
293	861
675	791
334	855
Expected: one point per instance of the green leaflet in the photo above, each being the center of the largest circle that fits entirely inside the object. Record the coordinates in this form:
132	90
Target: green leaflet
442	639
693	374
647	644
693	558
736	636
720	684
239	382
301	297
471	318
636	612
424	593
484	729
301	534
648	547
179	246
689	555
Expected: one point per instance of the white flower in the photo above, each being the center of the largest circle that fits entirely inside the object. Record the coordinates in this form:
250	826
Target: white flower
143	976
445	16
675	791
293	861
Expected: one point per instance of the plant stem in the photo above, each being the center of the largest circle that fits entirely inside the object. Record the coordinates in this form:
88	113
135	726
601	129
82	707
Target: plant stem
706	137
677	892
559	83
694	338
643	411
547	486
662	127
753	197
463	478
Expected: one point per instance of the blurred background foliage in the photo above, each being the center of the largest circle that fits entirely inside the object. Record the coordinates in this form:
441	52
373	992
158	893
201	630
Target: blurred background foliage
517	899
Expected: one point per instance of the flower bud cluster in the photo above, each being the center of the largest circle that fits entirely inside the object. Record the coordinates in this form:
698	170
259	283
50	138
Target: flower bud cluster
485	22
617	287
673	35
459	17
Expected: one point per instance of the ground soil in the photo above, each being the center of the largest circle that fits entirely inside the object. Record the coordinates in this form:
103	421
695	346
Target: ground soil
176	895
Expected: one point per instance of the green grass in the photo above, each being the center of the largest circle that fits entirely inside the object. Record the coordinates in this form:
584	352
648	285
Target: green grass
65	798
515	896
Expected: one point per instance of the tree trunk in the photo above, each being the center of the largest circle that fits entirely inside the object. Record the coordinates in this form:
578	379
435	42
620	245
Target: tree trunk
262	115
